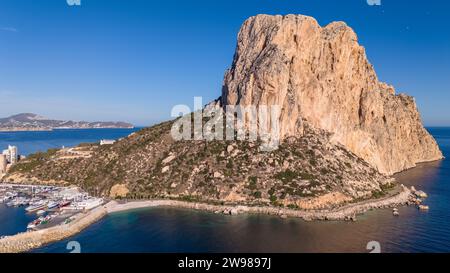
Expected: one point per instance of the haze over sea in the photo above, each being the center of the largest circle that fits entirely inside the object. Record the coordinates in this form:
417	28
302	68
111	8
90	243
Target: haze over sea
178	230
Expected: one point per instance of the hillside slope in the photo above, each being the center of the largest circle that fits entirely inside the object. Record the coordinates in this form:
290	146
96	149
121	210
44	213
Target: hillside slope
308	172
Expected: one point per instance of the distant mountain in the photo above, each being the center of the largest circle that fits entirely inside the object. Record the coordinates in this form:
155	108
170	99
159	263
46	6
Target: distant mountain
33	122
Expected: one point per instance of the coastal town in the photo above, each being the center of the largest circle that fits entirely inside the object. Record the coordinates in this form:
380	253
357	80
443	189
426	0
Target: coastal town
51	205
11	156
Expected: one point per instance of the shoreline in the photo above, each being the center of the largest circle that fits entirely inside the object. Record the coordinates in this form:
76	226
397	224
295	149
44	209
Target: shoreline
27	241
347	212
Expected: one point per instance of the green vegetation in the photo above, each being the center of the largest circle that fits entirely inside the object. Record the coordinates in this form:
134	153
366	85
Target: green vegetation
252	182
378	194
33	161
229	164
189	198
387	187
273	199
286	176
289	175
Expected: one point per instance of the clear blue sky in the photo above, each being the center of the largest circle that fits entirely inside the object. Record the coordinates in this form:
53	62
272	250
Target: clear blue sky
133	60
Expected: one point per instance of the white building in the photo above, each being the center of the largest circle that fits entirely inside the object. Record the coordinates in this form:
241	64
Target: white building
12	154
91	203
107	142
72	194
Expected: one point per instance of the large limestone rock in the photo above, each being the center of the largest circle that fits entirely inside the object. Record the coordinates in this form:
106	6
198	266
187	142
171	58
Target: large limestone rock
322	75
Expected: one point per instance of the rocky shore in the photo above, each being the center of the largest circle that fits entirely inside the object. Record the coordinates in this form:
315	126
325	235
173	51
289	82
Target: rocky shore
348	212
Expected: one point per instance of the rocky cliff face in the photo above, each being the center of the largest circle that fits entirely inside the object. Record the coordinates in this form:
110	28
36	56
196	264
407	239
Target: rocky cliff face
322	75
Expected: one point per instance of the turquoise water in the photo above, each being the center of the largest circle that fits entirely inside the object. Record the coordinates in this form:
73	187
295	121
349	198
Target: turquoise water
178	230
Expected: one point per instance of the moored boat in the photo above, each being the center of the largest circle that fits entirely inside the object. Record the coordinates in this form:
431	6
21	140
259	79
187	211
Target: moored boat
36	207
34	224
52	205
64	204
40	212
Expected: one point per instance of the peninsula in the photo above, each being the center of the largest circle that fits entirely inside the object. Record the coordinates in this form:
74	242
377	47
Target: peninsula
33	122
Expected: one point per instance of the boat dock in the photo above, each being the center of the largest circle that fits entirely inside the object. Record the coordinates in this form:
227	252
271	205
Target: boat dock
52	205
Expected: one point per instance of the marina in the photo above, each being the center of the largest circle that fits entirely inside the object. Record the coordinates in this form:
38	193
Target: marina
52	206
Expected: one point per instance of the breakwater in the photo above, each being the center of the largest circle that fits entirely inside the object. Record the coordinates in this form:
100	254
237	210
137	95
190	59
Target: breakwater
27	241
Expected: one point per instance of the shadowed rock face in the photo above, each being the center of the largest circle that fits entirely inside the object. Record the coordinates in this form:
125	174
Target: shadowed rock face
322	75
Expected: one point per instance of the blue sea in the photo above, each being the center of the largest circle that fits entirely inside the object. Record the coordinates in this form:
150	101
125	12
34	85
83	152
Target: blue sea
32	142
179	230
